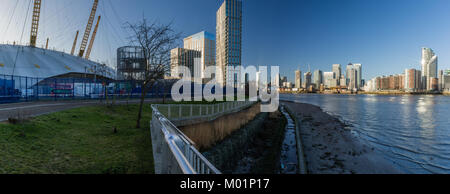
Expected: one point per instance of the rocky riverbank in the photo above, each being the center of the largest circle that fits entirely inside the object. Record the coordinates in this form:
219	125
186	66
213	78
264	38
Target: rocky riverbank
330	147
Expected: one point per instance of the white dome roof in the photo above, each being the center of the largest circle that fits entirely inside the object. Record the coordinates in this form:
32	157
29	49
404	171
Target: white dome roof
42	63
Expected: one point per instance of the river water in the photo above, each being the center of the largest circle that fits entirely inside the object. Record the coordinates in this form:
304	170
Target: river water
411	131
288	156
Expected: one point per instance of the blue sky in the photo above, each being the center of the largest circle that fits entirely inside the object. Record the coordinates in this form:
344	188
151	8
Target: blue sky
385	36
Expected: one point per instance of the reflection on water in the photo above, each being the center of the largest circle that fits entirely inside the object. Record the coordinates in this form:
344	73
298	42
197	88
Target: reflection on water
411	131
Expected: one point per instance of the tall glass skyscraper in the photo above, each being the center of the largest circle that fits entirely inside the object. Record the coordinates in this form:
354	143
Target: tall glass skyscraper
318	78
358	68
298	79
429	68
348	70
228	41
337	72
354	76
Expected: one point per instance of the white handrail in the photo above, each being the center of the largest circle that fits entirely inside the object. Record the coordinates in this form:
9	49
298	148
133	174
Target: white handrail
210	111
186	156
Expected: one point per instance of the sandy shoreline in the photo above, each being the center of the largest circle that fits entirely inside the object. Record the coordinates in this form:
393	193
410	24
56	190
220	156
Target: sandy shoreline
330	148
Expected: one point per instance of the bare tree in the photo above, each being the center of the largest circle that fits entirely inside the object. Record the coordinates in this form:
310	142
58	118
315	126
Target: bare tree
156	41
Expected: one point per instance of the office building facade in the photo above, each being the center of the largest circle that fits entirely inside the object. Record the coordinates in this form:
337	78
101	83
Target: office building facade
446	83
298	79
328	78
352	79
308	79
184	57
337	72
318	78
342	81
348	70
358	80
205	43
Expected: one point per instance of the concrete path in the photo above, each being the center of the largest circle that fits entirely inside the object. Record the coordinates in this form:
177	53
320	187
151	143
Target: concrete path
33	109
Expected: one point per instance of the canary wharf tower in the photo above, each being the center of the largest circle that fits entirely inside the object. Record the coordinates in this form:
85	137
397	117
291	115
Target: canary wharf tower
228	41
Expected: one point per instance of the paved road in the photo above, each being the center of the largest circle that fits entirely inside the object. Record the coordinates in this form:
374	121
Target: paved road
32	109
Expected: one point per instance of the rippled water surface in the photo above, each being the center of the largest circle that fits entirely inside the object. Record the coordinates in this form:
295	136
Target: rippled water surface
411	131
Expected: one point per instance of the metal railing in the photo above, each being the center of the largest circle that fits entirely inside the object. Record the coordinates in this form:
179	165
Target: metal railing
177	112
173	152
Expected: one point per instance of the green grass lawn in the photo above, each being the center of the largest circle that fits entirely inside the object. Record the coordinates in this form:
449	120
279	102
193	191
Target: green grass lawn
80	140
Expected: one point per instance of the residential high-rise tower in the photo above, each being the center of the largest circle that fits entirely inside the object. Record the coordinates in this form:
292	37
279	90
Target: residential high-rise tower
412	80
429	68
228	41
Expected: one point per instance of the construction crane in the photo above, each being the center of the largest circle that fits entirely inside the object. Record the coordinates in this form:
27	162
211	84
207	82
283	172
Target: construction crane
88	29
74	43
91	43
35	22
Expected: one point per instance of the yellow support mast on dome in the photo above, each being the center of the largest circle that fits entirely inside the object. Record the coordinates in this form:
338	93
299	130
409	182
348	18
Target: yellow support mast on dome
87	32
35	22
91	43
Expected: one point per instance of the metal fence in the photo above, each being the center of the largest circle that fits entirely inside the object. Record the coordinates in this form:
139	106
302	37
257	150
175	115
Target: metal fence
173	152
176	112
20	88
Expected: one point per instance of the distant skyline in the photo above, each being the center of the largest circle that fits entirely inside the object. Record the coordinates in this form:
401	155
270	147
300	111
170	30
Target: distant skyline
386	37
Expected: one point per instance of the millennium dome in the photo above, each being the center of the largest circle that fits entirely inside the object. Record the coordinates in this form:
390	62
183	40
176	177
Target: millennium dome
42	63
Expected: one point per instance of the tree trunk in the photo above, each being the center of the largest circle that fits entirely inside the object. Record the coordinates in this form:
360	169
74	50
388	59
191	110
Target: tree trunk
164	95
141	105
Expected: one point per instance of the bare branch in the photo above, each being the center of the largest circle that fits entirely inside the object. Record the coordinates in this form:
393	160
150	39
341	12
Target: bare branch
156	41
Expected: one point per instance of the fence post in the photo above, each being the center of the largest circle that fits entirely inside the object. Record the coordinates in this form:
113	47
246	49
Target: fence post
168	111
191	111
37	86
4	86
73	88
54	89
84	88
26	89
11	94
